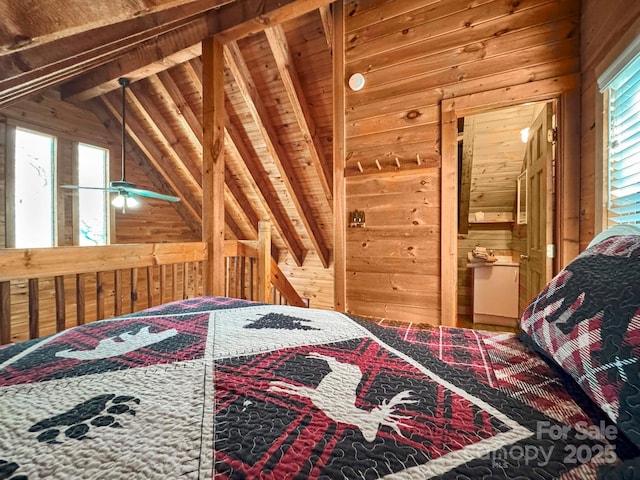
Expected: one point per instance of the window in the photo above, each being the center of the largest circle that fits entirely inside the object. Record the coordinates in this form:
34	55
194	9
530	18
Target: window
92	204
619	128
45	215
33	189
622	98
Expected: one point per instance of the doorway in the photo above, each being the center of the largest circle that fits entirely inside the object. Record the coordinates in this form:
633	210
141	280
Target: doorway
566	93
504	160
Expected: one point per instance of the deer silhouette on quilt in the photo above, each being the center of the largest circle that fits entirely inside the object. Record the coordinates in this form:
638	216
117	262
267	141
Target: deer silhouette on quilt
335	395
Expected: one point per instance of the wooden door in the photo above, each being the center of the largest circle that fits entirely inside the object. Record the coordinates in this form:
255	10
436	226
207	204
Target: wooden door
538	258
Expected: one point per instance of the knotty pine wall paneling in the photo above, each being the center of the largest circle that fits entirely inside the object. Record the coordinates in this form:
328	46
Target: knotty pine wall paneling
154	221
602	25
311	281
414	54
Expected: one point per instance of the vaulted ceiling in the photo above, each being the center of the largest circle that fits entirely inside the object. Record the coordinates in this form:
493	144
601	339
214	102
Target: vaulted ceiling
278	98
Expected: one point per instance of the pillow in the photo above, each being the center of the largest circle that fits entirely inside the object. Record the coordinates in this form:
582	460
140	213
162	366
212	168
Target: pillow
587	320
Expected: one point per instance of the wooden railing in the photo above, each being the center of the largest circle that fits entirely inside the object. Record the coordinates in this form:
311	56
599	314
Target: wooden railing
46	290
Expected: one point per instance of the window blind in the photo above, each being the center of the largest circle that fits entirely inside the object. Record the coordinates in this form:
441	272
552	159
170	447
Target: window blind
624	145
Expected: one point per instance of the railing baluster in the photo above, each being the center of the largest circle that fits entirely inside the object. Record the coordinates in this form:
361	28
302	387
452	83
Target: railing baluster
99	296
227	292
163	275
150	285
61	311
236	277
5	312
34	308
185	280
196	279
252	261
243	289
80	307
174	281
134	289
117	281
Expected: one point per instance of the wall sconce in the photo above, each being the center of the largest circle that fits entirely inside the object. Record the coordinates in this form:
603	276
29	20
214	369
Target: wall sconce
356	82
524	135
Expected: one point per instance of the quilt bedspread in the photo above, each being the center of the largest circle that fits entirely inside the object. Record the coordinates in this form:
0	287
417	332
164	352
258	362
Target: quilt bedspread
221	388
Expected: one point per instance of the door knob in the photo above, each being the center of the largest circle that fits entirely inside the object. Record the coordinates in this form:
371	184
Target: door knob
524	257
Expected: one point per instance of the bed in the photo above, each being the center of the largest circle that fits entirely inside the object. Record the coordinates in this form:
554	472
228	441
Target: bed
216	387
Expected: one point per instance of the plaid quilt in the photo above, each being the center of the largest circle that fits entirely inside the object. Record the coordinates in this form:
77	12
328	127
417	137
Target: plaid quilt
221	388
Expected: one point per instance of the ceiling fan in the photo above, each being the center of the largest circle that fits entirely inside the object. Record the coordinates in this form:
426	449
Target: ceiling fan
127	191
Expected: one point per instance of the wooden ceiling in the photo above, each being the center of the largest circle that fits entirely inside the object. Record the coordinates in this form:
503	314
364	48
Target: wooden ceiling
278	96
278	81
497	157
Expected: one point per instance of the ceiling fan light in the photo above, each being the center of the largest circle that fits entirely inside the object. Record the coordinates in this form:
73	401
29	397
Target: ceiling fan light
131	202
118	201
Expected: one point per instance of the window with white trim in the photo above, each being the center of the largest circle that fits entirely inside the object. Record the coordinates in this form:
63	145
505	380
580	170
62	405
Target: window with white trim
620	86
34	174
93	204
34	192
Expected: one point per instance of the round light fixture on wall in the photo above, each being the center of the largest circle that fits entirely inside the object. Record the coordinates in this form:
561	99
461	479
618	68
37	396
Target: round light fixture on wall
356	82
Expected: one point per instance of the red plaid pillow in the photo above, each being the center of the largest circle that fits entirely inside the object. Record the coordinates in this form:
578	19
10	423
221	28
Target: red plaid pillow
587	320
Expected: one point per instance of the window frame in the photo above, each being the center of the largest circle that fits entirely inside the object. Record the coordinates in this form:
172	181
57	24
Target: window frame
66	224
75	198
626	49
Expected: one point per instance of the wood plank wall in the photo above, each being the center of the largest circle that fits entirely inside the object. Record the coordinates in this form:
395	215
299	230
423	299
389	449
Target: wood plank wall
602	25
414	53
154	221
311	281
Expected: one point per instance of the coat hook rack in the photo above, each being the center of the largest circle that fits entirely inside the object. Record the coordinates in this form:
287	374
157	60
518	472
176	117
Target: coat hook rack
360	167
397	162
418	159
378	165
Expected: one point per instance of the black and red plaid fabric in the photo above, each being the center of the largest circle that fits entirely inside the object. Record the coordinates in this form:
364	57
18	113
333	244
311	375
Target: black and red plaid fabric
219	388
587	320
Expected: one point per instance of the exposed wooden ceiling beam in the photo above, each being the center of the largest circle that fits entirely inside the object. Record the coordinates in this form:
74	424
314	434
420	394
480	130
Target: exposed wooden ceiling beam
33	64
244	205
151	56
240	19
264	190
326	16
160	132
137	133
184	111
106	112
292	85
47	61
246	86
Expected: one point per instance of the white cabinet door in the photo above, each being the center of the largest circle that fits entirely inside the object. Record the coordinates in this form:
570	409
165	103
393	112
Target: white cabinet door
495	292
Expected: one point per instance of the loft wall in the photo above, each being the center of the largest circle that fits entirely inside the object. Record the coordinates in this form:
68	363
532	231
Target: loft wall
153	222
602	25
414	54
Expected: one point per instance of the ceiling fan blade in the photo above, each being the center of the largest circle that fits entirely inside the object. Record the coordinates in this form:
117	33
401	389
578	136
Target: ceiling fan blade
148	193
